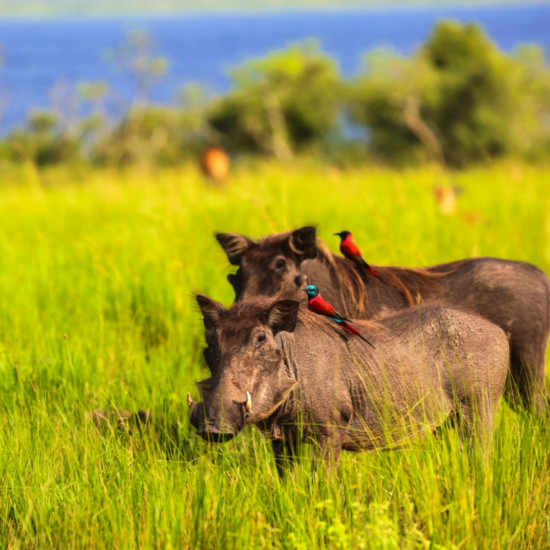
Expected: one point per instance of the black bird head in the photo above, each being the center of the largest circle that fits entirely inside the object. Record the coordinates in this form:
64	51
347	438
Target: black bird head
343	234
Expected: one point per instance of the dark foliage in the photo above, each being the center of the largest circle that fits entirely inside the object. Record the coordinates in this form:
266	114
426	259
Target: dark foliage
458	100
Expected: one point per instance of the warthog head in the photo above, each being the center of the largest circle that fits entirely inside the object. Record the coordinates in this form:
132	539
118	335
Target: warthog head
249	376
271	267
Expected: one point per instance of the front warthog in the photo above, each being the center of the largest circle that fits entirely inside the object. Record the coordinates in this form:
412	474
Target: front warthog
281	367
513	295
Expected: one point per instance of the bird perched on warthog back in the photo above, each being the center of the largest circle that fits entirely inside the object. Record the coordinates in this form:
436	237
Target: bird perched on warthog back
274	364
316	304
351	251
513	295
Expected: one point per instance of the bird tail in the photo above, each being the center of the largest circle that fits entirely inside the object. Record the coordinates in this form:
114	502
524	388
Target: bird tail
373	272
368	268
349	328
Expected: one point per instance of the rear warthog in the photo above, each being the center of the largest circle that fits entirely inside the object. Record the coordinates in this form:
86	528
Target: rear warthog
281	368
513	295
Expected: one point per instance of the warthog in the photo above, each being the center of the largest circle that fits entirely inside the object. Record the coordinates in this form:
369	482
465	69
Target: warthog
277	365
513	295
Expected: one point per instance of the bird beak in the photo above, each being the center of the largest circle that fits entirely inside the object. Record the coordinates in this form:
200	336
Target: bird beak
304	289
337	234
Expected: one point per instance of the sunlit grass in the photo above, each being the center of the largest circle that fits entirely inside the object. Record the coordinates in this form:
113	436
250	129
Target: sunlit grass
97	271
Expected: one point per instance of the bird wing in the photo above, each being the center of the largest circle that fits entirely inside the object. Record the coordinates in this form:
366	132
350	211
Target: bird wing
322	307
331	312
352	252
353	249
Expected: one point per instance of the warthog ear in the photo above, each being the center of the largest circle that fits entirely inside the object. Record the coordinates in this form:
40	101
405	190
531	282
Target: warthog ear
282	316
303	242
234	245
211	311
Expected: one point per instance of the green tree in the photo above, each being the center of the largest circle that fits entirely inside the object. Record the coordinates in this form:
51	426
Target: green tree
458	100
149	135
135	55
157	134
43	141
280	103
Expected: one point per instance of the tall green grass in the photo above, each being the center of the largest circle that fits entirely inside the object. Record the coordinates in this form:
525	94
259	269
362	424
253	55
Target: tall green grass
97	272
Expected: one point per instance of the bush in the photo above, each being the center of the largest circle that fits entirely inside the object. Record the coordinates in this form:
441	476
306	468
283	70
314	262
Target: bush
280	104
146	135
157	135
458	100
43	141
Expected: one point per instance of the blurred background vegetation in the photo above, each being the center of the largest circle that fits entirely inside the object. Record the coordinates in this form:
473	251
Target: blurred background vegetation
54	8
459	100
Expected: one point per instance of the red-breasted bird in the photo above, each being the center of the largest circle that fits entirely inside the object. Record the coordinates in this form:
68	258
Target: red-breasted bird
351	251
316	304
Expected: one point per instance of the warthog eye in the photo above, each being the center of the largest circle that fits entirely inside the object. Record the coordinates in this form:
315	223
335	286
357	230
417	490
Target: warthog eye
260	340
280	266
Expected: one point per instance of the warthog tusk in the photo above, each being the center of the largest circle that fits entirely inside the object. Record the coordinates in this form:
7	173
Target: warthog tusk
189	400
248	404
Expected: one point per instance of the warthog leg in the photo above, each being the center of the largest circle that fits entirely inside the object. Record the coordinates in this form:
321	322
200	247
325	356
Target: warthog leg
285	451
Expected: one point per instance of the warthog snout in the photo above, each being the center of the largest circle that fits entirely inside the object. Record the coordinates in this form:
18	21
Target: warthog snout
212	433
211	427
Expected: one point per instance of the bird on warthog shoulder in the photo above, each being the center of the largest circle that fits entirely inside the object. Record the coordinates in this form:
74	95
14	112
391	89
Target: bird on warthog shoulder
351	251
317	304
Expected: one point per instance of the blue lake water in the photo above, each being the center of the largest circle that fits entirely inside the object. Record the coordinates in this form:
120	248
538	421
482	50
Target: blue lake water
41	56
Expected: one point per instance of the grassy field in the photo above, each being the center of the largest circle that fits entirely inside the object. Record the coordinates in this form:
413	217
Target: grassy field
97	272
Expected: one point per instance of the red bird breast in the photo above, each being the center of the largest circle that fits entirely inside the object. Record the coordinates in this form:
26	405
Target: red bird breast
349	248
318	305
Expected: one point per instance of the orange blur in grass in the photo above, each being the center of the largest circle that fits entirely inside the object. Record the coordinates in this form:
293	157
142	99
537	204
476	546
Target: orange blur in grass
214	163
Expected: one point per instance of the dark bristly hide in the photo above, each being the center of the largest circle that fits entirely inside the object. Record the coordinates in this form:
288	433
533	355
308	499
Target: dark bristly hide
513	295
289	371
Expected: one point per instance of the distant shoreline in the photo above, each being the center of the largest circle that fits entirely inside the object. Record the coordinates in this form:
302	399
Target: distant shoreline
17	9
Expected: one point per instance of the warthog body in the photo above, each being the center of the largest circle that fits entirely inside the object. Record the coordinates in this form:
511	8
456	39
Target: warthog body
513	295
275	365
